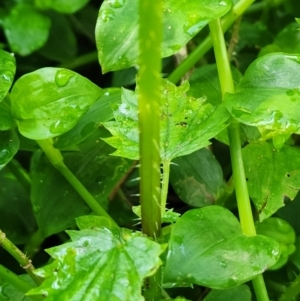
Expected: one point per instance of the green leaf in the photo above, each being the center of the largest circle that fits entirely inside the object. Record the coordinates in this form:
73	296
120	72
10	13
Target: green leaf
117	24
92	222
214	250
197	178
16	216
288	39
272	175
60	47
241	292
103	265
26	29
99	112
7	72
9	145
269	95
187	123
61	6
6	119
49	102
93	166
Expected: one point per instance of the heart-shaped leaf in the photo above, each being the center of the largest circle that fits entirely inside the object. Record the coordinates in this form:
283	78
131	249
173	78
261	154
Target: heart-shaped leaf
7	72
187	123
272	175
49	102
99	265
214	250
117	28
269	95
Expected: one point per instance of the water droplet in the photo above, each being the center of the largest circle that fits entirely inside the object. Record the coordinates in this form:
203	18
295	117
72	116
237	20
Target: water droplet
223	3
275	252
106	15
223	264
4	153
116	3
239	111
63	76
36	208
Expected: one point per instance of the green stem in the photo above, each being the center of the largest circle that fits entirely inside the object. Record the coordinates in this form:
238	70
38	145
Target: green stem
149	89
195	55
17	282
149	99
292	291
243	201
23	260
165	185
19	172
56	159
82	60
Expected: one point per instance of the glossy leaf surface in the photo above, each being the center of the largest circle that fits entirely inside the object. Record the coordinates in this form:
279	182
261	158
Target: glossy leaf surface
9	145
104	265
16	216
94	167
117	28
238	293
215	252
7	72
269	95
62	6
26	29
99	112
6	119
49	102
197	178
187	123
272	175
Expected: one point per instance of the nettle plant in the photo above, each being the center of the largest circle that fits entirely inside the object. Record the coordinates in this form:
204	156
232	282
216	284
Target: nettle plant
90	149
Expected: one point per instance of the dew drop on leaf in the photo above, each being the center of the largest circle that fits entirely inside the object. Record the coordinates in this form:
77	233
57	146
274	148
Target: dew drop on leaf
62	77
223	3
116	3
223	264
106	15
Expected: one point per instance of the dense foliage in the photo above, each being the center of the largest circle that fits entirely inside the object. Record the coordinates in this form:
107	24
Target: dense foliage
145	155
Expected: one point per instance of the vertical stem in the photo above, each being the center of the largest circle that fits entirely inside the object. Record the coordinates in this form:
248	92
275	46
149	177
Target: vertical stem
149	91
243	201
194	56
23	260
17	282
292	291
56	159
165	185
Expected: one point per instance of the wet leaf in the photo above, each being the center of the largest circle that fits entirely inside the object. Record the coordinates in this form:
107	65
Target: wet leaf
214	250
104	265
9	145
6	119
197	178
48	102
241	292
99	112
117	28
26	29
7	72
272	175
62	6
269	95
187	123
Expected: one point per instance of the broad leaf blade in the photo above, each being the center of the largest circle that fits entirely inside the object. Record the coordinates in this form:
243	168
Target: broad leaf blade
9	145
7	72
62	6
6	119
187	123
241	292
215	252
272	175
104	266
269	95
26	29
117	28
197	178
49	102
